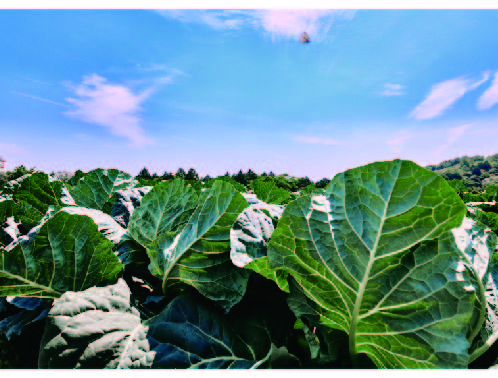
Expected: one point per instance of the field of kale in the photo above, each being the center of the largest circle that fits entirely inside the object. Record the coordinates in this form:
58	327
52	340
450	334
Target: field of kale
386	265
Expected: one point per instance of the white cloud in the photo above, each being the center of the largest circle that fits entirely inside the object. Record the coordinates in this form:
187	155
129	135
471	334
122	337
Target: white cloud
38	98
112	106
291	23
277	23
445	94
490	96
306	139
393	90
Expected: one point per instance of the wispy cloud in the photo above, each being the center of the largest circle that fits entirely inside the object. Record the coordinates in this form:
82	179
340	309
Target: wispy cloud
307	139
112	106
291	23
277	23
160	67
445	94
392	90
454	133
398	140
39	98
34	80
490	96
217	19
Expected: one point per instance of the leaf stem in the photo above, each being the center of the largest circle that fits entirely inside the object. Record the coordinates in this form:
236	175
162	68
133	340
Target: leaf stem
483	348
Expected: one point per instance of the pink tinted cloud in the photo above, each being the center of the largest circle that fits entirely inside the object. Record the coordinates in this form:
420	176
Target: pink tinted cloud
454	133
112	106
217	19
287	23
38	98
393	90
445	94
306	139
278	23
490	96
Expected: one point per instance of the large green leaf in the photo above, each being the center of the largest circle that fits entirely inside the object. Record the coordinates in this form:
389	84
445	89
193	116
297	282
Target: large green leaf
105	223
6	209
191	335
12	185
126	202
325	344
376	256
196	335
33	196
8	226
96	328
249	239
268	192
188	237
97	187
251	233
9	232
166	207
67	252
29	311
241	188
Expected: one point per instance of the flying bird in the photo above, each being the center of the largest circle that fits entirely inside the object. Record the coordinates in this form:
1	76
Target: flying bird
305	38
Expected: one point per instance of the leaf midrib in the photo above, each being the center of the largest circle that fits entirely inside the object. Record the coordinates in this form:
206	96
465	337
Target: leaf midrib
356	312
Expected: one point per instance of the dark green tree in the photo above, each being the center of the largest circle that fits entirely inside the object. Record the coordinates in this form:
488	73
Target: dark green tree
251	175
167	176
144	173
492	192
76	177
484	165
322	183
180	173
458	186
452	174
192	175
303	182
240	178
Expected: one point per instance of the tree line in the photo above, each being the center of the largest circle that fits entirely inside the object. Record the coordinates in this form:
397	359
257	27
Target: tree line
283	181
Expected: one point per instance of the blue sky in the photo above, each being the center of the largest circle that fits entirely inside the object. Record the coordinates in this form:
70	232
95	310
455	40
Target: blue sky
222	90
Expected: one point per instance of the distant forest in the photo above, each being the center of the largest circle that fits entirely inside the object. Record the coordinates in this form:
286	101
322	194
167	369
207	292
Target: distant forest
475	172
